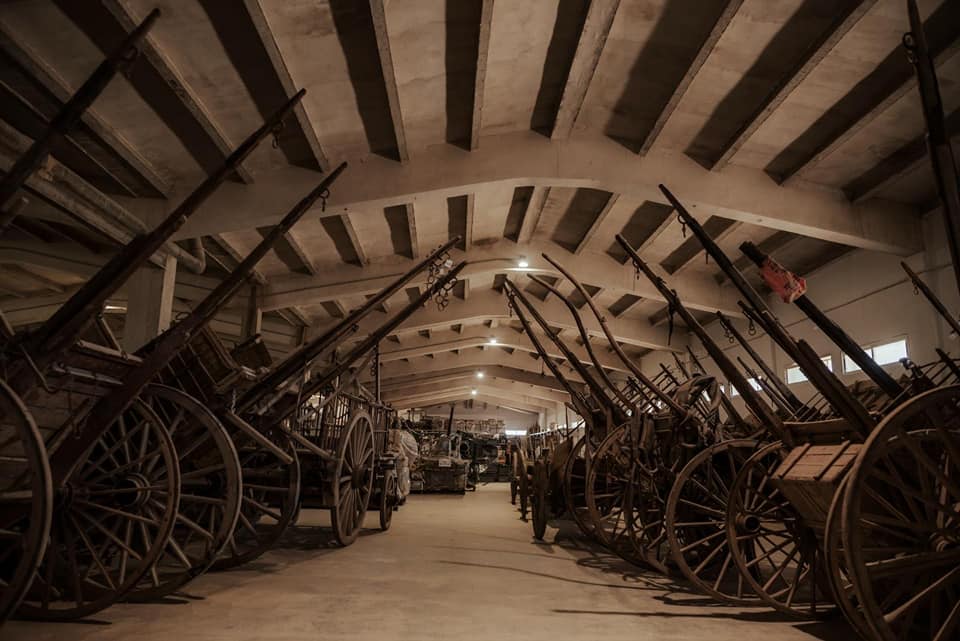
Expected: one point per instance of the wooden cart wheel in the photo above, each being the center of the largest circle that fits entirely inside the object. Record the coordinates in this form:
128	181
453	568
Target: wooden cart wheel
538	499
270	499
26	500
696	520
210	492
837	569
901	521
514	476
523	481
352	479
112	519
575	487
777	554
625	505
388	499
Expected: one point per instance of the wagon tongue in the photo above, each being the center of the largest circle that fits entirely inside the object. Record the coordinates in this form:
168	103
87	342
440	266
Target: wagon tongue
72	319
158	353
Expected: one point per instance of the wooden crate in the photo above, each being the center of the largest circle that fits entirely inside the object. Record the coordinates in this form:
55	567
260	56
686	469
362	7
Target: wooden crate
810	476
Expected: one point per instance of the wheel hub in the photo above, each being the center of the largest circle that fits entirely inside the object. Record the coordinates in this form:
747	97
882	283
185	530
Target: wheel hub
748	523
140	495
358	479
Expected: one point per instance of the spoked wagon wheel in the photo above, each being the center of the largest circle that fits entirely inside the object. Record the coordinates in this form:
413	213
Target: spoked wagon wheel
901	521
838	571
352	479
696	520
26	500
523	482
514	475
112	519
388	499
575	487
624	504
210	492
269	503
538	498
776	552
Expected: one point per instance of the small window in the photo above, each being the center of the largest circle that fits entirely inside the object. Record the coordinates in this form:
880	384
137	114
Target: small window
849	366
890	352
753	383
883	354
796	375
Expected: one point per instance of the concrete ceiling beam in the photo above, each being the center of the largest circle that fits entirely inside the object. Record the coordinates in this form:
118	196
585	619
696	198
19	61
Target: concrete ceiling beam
479	337
900	163
355	243
412	229
300	251
417	386
527	158
480	78
593	37
227	247
700	291
703	53
378	12
492	397
157	76
531	217
865	101
812	58
59	187
519	363
771	245
488	305
255	14
595	226
47	77
452	370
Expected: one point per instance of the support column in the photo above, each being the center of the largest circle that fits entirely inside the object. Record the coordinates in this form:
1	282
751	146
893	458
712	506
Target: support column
149	304
252	322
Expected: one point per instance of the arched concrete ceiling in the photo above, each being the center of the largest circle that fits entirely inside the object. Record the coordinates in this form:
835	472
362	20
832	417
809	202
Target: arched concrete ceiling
524	127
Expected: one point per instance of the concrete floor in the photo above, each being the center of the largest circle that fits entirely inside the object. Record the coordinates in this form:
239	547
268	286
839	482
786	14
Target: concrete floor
452	567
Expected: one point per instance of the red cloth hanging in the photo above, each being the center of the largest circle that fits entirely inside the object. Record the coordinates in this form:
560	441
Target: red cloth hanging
788	286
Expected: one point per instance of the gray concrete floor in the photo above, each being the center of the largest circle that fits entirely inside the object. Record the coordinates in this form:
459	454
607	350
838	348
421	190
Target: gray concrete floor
452	567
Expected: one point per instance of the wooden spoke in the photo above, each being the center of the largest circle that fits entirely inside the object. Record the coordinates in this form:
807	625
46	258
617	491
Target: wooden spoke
900	529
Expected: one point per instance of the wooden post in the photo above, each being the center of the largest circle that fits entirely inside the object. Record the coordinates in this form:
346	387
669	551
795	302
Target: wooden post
149	304
252	321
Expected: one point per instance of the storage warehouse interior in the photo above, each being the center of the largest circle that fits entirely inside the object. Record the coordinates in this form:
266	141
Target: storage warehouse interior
479	319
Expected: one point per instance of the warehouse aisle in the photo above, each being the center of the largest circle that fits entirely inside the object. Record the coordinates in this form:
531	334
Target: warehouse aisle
453	567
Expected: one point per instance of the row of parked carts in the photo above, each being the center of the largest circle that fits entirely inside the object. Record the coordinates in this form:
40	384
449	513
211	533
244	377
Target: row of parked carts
123	476
847	502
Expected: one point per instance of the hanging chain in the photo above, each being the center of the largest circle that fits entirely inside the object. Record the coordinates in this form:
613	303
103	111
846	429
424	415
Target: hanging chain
276	134
728	334
671	311
439	268
751	328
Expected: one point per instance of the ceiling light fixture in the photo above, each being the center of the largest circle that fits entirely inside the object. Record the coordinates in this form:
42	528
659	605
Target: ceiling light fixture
522	263
492	341
479	374
473	392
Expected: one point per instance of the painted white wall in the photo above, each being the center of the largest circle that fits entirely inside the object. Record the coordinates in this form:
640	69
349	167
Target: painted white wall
869	295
